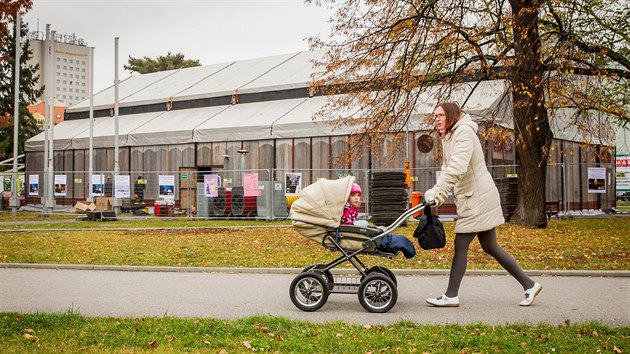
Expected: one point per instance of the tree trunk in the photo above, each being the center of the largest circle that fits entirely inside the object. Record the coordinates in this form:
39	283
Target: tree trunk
531	124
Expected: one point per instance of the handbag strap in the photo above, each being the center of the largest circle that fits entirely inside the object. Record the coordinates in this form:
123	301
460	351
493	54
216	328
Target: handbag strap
427	212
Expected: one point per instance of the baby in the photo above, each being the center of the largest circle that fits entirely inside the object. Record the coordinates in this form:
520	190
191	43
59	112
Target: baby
350	212
389	243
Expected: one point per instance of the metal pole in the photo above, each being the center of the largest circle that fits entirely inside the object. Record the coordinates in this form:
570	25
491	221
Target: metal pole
91	157
14	202
115	202
47	117
50	200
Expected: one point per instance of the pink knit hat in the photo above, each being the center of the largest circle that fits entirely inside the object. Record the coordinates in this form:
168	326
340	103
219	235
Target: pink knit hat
355	189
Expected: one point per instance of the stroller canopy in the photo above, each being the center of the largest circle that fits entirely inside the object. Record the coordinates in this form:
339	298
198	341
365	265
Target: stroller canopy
320	206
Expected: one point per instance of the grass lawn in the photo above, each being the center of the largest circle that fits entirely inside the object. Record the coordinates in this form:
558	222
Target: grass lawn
580	243
46	333
586	243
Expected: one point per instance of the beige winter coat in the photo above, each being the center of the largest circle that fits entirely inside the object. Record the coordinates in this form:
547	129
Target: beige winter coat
465	173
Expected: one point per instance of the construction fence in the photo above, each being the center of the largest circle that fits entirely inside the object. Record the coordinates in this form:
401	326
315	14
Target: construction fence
268	194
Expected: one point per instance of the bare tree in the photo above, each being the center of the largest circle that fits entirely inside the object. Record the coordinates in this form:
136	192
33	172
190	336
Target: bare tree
390	56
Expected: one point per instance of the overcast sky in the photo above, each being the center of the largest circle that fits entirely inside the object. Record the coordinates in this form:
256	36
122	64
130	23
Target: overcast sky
212	31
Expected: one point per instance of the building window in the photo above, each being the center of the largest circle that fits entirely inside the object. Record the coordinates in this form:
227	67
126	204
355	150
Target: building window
58	59
83	69
58	67
65	60
58	81
65	75
65	67
71	61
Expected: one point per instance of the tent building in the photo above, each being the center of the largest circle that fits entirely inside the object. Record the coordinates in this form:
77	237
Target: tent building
256	115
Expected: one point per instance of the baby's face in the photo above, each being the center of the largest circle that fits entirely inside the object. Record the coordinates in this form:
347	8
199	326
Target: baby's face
355	200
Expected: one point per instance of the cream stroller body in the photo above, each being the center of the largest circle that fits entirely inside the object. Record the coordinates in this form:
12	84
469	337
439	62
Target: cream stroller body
317	216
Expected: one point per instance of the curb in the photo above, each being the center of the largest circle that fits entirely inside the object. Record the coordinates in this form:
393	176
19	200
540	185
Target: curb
402	272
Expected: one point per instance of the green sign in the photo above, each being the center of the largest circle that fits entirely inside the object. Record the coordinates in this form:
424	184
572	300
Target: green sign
78	181
184	175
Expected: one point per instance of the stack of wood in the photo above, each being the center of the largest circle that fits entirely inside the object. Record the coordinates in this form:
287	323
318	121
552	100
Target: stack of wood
388	197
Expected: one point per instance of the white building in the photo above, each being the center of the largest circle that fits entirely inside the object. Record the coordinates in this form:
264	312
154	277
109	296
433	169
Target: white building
71	66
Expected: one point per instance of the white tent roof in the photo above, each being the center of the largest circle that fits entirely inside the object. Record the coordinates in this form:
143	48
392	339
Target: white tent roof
63	134
286	71
172	127
288	118
126	89
248	121
104	135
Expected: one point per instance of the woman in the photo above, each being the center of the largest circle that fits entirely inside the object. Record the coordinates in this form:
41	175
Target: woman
477	199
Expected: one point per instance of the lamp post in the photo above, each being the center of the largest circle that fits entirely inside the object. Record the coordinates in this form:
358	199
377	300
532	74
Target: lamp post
14	202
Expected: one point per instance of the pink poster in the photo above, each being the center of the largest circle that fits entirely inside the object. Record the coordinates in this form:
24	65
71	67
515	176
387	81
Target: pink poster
250	184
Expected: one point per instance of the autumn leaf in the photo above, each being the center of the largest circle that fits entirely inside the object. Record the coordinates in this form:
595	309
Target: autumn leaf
246	344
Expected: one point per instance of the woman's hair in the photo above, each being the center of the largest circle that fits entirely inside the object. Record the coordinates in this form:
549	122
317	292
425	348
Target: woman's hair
453	112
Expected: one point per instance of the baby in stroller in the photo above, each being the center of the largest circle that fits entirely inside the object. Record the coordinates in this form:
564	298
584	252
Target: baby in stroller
318	215
391	243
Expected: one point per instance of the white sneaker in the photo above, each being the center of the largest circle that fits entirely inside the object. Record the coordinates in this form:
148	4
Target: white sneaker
531	293
444	301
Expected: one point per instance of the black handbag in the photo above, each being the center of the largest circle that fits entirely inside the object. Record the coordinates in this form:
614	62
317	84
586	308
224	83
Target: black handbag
430	231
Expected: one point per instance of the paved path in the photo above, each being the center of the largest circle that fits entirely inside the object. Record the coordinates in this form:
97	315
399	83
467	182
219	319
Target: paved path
486	299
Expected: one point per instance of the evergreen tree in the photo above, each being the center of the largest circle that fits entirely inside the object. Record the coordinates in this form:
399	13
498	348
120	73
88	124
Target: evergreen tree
28	94
162	63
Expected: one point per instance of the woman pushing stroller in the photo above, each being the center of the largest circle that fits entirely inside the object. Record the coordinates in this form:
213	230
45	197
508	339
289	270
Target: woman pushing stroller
477	200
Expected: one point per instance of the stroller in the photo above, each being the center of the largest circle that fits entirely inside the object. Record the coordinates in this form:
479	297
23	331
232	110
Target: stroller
317	216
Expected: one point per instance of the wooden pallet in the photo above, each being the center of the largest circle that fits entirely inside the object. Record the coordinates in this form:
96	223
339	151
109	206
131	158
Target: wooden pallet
101	216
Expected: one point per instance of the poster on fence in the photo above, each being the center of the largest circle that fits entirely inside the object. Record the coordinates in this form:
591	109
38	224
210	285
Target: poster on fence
211	185
250	184
61	185
597	180
97	185
167	186
623	179
122	186
33	184
293	183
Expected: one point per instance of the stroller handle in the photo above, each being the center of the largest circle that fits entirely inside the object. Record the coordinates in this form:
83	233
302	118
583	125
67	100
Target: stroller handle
404	216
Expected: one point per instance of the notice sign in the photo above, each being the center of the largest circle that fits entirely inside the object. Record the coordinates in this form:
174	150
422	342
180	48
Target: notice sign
97	185
623	179
167	186
211	185
122	186
597	180
61	185
293	183
33	184
250	184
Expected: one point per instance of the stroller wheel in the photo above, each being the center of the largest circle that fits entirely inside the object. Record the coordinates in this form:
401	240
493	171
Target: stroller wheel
378	293
327	274
309	291
383	270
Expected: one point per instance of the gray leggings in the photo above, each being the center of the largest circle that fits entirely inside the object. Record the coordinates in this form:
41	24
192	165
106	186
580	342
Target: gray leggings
488	242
